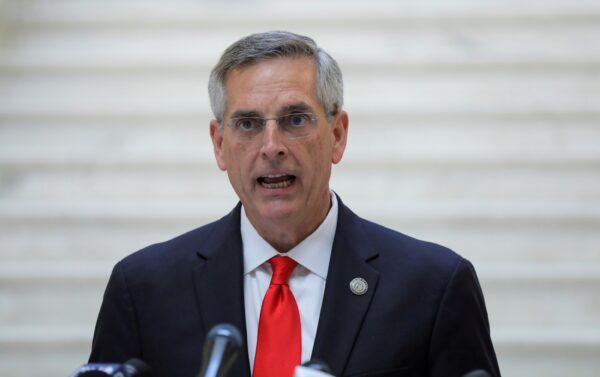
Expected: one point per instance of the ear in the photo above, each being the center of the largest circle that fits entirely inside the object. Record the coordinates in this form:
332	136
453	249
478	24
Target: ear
216	136
340	136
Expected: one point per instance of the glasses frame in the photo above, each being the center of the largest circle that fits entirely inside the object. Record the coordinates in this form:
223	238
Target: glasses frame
263	121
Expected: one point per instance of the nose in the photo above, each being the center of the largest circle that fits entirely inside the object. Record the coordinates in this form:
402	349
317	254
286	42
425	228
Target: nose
273	145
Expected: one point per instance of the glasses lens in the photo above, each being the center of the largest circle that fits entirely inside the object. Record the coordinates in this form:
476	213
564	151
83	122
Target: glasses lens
246	128
297	125
293	126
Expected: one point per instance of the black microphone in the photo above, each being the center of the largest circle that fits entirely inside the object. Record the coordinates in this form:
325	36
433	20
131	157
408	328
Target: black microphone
313	368
130	368
478	373
222	345
317	364
136	368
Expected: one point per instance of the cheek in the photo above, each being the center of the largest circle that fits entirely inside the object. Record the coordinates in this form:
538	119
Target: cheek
320	156
240	157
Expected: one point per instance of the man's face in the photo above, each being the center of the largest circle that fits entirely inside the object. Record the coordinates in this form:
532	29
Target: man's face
279	180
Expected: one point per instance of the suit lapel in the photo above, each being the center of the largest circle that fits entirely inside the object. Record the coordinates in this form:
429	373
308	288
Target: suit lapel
343	311
218	281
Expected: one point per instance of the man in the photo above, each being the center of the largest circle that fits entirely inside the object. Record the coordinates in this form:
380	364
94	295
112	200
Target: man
291	266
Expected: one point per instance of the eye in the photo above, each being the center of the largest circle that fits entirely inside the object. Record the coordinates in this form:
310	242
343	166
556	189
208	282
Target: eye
247	124
296	120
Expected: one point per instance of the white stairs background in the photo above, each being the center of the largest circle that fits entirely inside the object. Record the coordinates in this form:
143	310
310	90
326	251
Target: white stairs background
473	124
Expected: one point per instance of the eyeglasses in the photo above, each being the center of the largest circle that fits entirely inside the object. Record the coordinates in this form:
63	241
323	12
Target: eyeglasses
293	126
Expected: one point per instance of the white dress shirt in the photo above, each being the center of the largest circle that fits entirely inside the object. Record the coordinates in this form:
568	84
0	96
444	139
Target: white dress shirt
307	281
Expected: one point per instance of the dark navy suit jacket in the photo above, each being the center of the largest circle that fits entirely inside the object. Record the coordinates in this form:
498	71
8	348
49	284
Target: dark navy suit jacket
422	315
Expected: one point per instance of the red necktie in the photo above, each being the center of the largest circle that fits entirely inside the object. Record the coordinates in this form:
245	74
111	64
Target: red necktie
279	344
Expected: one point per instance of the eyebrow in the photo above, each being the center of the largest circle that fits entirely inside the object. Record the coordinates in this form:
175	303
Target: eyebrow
299	107
245	114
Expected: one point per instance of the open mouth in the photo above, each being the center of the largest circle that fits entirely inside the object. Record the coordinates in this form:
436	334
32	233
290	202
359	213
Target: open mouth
276	181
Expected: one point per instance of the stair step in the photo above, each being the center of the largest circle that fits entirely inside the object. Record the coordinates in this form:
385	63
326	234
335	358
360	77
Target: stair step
169	210
519	337
419	183
557	353
374	143
534	294
468	93
156	13
391	47
84	240
24	274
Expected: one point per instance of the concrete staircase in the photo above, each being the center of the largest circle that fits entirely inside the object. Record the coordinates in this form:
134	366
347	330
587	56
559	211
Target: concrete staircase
474	125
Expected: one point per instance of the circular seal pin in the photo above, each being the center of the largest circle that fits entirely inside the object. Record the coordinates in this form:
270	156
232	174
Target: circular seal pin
359	286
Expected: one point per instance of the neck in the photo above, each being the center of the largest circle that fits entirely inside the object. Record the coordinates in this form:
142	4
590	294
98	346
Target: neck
285	234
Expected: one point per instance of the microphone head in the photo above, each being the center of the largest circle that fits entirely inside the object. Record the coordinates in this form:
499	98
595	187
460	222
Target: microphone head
92	373
221	347
478	373
137	368
316	364
225	330
131	368
97	370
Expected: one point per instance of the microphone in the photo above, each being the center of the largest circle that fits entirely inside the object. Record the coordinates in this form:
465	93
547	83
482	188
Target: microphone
478	373
130	368
222	345
136	368
313	368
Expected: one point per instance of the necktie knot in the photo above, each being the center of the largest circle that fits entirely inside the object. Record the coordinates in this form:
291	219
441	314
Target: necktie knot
282	269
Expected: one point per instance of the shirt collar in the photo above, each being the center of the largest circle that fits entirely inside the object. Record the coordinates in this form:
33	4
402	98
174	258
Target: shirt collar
313	252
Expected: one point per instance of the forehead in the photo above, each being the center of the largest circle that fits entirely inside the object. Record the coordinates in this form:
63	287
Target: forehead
272	84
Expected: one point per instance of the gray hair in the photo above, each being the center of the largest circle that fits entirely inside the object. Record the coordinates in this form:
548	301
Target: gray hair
277	44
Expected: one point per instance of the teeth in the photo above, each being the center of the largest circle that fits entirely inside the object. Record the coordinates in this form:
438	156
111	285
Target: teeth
277	185
274	175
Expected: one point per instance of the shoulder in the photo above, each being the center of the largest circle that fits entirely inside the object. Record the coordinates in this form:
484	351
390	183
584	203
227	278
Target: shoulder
393	244
183	250
175	248
400	256
417	265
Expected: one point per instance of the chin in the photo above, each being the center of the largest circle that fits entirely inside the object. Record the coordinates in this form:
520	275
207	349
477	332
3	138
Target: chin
277	211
